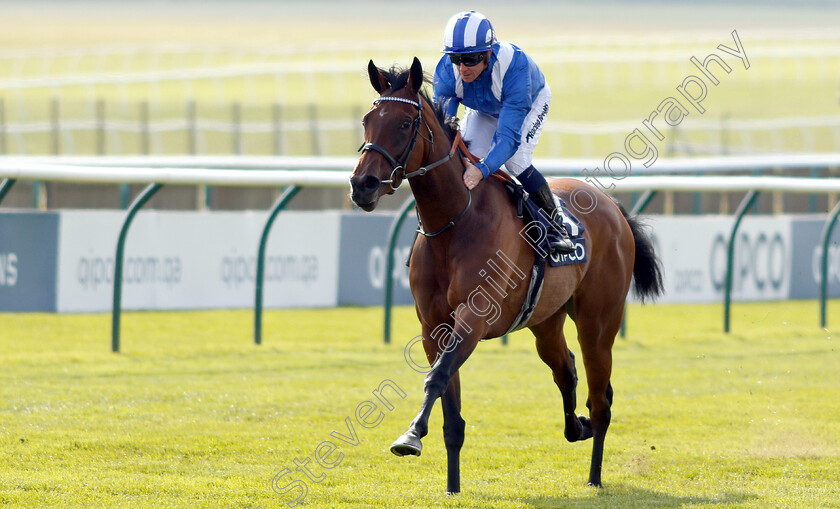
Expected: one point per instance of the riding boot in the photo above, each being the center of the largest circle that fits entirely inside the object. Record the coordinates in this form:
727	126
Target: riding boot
559	243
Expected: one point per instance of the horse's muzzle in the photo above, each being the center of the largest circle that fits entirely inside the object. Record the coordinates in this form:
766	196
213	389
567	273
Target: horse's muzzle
365	191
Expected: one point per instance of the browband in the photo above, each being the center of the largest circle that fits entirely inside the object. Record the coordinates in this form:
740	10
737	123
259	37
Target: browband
416	104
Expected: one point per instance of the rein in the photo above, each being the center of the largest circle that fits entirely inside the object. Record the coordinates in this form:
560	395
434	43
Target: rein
457	143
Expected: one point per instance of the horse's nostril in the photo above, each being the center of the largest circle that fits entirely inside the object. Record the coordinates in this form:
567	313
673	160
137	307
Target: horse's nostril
370	183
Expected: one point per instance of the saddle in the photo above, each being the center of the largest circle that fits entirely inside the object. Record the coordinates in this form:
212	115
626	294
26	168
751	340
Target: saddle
538	231
539	228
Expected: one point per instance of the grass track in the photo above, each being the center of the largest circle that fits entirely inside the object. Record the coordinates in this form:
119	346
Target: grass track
192	414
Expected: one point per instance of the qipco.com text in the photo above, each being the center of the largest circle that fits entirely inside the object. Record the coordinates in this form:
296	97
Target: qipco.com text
95	271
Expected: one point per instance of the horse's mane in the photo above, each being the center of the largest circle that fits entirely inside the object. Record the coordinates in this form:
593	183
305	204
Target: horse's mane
398	78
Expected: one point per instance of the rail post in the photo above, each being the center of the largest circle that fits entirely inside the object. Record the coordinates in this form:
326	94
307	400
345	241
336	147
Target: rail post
5	185
4	145
826	239
393	233
743	207
279	205
317	145
116	309
101	127
236	129
277	128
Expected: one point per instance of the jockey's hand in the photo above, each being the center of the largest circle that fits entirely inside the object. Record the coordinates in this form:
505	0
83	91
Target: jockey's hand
453	123
472	175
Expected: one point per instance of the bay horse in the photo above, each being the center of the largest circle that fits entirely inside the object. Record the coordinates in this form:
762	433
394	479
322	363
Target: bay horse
464	232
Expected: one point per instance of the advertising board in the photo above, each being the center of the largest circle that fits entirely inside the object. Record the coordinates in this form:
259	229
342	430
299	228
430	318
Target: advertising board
28	261
363	260
807	253
693	252
197	260
64	261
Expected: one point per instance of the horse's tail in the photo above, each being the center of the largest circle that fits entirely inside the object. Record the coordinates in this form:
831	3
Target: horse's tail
647	269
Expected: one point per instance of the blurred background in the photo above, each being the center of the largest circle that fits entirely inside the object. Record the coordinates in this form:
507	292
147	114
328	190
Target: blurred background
119	78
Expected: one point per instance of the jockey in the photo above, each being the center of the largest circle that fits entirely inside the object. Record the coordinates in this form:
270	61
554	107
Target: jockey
506	100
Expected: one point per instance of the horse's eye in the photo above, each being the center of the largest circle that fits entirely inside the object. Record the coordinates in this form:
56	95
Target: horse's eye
406	124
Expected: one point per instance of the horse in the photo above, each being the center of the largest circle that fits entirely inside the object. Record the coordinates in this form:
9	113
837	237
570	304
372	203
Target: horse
463	233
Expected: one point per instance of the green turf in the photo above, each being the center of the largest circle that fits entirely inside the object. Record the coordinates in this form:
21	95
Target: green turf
192	414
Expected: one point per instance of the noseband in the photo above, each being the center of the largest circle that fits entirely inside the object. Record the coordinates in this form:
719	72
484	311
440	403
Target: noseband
398	165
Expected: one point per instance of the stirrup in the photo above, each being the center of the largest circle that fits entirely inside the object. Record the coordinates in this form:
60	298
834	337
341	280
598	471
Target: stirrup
563	245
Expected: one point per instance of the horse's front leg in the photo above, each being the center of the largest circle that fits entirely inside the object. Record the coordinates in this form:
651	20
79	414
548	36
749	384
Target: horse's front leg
453	433
450	351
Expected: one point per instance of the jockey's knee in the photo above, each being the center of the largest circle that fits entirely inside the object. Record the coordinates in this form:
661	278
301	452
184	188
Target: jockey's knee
516	169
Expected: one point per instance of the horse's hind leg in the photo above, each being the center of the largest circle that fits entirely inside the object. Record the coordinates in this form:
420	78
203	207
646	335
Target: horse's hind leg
552	348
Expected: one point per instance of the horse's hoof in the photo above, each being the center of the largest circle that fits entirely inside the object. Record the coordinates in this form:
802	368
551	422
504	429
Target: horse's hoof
586	433
595	484
574	430
577	428
407	444
452	493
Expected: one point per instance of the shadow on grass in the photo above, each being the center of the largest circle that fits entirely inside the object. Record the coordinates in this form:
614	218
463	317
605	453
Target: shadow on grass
623	496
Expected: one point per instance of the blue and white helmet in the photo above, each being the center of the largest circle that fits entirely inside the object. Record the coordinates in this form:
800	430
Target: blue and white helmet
468	32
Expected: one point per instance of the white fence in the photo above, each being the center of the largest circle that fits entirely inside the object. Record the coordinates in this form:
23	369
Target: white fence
335	171
332	132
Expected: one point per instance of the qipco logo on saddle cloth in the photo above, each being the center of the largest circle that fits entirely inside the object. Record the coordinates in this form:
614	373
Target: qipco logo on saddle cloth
576	256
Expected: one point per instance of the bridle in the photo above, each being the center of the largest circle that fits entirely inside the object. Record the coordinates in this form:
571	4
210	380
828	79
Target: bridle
398	165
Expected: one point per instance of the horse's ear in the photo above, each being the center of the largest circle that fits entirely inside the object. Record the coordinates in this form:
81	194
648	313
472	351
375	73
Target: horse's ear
415	76
377	79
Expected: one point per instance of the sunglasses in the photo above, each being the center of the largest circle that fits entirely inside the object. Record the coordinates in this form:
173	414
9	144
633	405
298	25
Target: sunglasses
469	59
